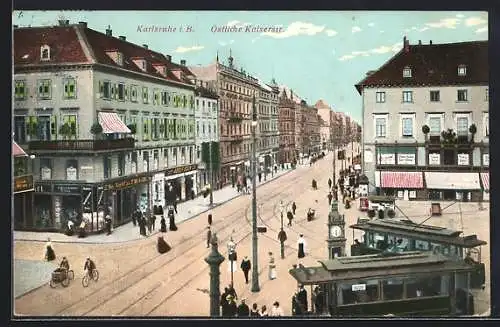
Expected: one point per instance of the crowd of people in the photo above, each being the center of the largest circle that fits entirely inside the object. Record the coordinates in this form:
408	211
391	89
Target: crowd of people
230	308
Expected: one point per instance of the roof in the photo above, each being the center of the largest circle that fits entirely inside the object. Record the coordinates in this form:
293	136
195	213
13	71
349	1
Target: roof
433	64
321	104
264	86
17	151
409	229
79	44
205	92
377	266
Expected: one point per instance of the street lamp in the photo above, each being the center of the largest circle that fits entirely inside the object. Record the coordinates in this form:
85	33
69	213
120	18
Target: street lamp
282	233
231	254
255	253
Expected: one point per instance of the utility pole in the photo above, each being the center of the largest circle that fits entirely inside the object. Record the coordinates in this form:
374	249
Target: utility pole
255	250
210	171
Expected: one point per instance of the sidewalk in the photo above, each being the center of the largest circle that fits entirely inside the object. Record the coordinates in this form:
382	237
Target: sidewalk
129	232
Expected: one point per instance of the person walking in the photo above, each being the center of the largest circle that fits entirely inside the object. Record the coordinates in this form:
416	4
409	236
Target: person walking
294	208
276	311
263	311
231	308
245	267
223	298
255	311
330	198
289	215
153	222
301	243
209	236
302	297
143	225
210	219
243	309
50	255
108	224
329	183
163	225
272	267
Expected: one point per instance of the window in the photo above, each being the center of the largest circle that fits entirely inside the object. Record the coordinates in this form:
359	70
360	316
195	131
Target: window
462	124
407	96
20	129
164	98
156	97
165	156
105	89
45	168
486	95
435	124
71	121
121	92
107	166
145	95
197	103
133	93
44	53
407	125
72	169
462	95
380	97
407	72
486	124
121	164
20	90
435	96
69	88
462	70
44	89
380	126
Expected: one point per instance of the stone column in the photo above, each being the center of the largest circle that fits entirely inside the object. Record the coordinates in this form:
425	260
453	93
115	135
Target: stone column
214	260
195	182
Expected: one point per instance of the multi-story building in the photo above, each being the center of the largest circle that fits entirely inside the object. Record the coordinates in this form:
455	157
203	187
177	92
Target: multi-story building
236	90
22	188
268	143
286	125
425	122
313	129
326	122
207	127
109	122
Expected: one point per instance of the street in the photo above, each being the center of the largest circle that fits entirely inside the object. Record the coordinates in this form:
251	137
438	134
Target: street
136	281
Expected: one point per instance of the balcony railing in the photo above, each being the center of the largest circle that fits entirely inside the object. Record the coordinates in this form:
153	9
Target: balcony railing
82	145
236	138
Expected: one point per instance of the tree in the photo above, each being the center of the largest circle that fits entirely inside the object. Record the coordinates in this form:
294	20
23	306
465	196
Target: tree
65	130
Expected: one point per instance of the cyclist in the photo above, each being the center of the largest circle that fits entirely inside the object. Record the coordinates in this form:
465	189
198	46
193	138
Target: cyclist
89	267
64	264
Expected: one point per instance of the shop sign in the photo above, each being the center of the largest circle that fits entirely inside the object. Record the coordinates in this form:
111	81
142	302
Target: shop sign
368	156
387	159
126	183
43	188
70	189
180	170
46	173
434	159
463	159
486	159
71	174
358	287
23	183
406	158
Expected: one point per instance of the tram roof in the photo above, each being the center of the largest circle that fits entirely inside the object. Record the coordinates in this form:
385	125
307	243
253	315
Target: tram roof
410	229
377	266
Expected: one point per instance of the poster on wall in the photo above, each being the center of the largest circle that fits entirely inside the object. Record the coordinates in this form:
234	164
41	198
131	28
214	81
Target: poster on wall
155	164
57	210
434	159
406	158
71	174
46	173
133	166
368	156
413	194
463	159
145	165
486	159
387	159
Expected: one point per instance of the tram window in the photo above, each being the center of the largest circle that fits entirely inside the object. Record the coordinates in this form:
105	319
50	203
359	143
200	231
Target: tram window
364	291
380	241
398	244
427	286
393	289
421	245
371	239
436	248
446	250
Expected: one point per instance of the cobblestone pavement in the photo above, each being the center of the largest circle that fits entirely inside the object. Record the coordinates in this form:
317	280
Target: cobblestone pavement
137	281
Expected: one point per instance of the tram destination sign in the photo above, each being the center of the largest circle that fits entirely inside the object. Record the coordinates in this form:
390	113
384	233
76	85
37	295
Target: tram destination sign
358	287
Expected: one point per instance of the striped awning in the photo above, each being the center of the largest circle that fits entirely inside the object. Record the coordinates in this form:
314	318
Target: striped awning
452	181
401	179
17	151
111	123
485	179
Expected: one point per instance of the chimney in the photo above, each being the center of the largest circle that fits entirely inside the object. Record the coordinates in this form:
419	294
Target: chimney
406	44
123	38
430	42
83	24
63	22
183	62
419	42
145	46
109	32
291	94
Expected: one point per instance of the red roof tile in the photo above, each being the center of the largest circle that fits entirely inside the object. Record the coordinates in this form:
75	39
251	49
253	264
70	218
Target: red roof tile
64	45
433	64
17	151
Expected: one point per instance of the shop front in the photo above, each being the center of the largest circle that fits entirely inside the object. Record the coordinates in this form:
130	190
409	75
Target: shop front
405	185
181	182
453	186
23	202
230	172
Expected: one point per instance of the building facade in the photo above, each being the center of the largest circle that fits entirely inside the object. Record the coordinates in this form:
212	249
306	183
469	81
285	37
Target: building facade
286	124
326	121
23	187
426	123
111	124
268	142
207	128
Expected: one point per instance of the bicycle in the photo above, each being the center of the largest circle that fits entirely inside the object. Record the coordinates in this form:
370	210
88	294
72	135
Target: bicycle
86	278
61	277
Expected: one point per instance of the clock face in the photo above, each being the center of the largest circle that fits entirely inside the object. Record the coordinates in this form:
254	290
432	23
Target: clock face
335	231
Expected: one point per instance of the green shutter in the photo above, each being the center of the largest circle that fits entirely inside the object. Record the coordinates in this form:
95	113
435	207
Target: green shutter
125	90
101	89
149	128
144	129
165	129
73	125
53	127
72	88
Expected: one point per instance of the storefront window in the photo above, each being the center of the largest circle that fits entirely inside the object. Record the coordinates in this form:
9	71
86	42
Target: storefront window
43	211
393	289
71	207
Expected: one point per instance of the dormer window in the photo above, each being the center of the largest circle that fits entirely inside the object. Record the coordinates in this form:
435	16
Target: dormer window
161	69
462	70
407	72
116	56
45	53
140	62
119	58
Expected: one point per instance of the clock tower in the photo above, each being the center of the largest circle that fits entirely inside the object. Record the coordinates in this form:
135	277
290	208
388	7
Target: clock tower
336	232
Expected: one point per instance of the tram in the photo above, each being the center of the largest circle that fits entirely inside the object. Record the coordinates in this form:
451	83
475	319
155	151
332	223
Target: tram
397	284
400	235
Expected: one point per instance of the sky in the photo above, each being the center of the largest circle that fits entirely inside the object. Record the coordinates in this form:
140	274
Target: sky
318	54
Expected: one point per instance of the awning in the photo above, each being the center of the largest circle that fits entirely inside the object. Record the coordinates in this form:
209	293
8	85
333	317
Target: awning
452	181
485	179
111	123
17	151
401	179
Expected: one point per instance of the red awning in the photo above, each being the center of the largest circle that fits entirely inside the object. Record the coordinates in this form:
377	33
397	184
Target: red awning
17	151
485	179
111	123
401	179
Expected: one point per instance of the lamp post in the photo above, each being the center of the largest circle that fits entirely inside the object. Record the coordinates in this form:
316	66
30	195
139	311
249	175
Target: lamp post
231	254
255	253
214	260
282	233
211	172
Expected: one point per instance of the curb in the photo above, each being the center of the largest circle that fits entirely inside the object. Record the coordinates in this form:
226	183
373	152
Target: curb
142	238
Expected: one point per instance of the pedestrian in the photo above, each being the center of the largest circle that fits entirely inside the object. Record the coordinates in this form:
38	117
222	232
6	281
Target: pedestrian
243	309
153	222
263	311
294	207
330	198
134	217
301	246
175	206
318	300
143	225
231	291
289	215
255	311
49	251
276	311
209	236
272	267
275	169
163	225
171	220
231	308
329	183
108	224
223	298
296	307
302	297
246	266
210	219
260	177
162	246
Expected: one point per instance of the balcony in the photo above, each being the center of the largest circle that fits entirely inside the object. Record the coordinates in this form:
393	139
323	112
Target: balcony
234	117
82	145
236	138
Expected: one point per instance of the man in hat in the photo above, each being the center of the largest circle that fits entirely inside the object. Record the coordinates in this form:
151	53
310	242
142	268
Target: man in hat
302	297
246	266
243	309
209	236
330	198
231	308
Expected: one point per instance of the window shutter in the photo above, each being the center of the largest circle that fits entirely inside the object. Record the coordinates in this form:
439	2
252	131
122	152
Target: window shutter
27	122
40	88
53	127
73	125
101	89
125	90
148	122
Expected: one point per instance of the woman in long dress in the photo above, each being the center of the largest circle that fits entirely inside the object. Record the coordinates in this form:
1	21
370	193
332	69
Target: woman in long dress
272	267
49	252
162	246
163	225
302	247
